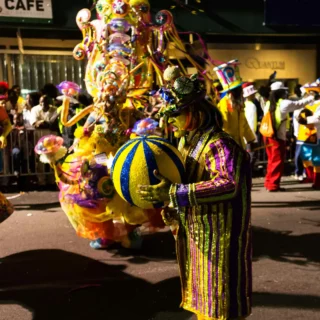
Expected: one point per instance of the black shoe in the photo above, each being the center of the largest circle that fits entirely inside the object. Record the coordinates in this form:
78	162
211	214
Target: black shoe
278	190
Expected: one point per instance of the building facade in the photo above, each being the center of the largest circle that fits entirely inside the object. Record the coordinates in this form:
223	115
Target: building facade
36	41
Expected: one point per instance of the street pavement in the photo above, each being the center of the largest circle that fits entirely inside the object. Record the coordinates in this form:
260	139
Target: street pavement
47	272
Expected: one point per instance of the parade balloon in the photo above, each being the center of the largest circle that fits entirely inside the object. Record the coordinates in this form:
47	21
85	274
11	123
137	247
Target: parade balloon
135	162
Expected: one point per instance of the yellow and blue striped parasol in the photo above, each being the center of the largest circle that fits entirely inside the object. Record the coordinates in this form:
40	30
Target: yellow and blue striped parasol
135	162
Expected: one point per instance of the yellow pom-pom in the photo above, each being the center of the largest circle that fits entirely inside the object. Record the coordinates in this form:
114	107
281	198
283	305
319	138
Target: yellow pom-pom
78	133
133	135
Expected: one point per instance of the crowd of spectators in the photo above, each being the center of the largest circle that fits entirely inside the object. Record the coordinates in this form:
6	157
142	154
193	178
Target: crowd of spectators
38	114
31	118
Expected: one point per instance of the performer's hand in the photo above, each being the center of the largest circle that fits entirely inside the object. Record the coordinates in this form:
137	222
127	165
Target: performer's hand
74	145
156	193
170	216
3	142
39	123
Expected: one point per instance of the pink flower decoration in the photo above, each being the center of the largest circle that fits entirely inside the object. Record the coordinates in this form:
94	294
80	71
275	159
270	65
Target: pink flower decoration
67	86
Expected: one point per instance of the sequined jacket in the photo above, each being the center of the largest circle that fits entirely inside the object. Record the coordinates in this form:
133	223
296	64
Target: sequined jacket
214	237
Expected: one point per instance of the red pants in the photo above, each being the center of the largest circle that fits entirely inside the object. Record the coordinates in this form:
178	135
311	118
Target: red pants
276	153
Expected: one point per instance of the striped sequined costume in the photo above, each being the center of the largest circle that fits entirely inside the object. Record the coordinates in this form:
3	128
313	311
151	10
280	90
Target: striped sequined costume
214	237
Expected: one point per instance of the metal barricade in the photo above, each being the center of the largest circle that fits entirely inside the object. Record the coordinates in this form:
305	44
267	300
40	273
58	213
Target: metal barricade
19	158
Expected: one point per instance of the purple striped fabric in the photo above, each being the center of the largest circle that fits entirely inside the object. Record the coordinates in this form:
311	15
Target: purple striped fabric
224	184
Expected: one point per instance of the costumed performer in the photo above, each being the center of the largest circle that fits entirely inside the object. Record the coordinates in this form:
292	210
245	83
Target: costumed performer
6	208
86	190
84	182
212	211
125	52
79	197
279	107
5	123
232	105
309	136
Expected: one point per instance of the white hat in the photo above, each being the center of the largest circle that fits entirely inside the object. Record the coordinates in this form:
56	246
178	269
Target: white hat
249	91
278	85
303	89
314	86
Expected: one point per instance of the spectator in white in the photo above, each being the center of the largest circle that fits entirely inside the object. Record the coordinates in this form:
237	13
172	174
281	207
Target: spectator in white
31	101
279	107
250	108
44	116
251	114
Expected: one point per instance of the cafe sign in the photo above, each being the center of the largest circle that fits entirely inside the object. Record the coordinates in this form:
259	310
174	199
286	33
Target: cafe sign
26	10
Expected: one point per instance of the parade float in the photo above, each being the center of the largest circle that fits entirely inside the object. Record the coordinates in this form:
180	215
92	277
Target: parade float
127	54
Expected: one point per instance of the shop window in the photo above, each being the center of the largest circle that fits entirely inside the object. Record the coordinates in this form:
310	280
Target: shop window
32	72
3	68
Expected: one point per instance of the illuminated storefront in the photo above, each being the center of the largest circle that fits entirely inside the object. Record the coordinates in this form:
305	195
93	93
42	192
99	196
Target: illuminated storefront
297	65
42	52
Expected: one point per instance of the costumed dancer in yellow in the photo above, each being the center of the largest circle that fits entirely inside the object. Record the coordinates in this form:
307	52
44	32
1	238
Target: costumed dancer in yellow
87	194
85	189
6	208
309	136
232	105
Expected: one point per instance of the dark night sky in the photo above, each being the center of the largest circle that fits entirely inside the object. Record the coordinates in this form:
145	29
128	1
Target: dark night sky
232	17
